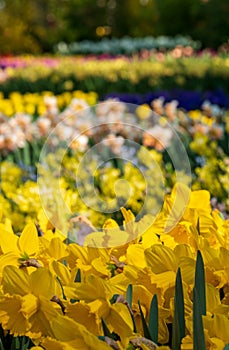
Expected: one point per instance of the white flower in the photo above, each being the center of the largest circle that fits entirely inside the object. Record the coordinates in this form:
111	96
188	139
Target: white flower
114	142
43	125
80	143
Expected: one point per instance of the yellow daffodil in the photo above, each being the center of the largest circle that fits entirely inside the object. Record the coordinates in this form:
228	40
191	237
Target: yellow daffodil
72	335
25	306
18	249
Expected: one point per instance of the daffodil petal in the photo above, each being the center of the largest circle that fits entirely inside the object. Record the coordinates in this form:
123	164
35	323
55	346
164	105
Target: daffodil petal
28	241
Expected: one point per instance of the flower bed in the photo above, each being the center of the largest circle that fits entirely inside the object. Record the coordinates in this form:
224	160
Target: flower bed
59	295
129	153
202	73
102	243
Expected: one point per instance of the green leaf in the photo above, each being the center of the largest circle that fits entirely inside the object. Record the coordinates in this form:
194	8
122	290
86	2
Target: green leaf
129	295
200	283
198	330
176	337
112	268
198	225
26	154
15	344
153	319
144	324
130	347
178	330
129	298
179	303
78	276
25	343
106	331
62	288
114	298
134	322
101	337
226	347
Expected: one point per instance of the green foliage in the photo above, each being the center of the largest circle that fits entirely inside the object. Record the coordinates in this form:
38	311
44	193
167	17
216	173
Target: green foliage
106	330
129	298
9	342
129	294
153	319
204	20
200	283
144	324
29	26
151	330
37	26
78	276
199	304
178	329
198	330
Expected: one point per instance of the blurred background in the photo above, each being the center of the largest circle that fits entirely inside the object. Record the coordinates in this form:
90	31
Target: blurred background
37	26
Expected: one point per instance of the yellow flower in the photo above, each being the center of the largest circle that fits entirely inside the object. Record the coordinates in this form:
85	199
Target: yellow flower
143	111
93	288
83	313
25	306
71	335
16	249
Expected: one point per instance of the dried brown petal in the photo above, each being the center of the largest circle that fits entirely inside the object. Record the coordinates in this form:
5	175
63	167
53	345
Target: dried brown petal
141	340
112	343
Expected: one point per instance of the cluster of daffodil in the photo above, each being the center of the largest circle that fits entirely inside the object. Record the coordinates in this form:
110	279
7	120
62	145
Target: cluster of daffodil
22	196
132	146
69	73
98	295
36	104
205	135
213	173
213	168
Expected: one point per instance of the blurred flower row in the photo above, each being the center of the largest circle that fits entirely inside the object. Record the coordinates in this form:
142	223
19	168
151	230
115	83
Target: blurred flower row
160	71
34	116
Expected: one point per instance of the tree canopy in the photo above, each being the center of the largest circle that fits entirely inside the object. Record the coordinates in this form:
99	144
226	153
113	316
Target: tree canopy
36	26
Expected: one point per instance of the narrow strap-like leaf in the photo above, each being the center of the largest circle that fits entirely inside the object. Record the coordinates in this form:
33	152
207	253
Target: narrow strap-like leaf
129	298
144	324
26	154
25	343
198	225
178	330
179	303
133	320
200	283
129	295
153	319
15	344
61	286
198	330
176	338
78	276
106	331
